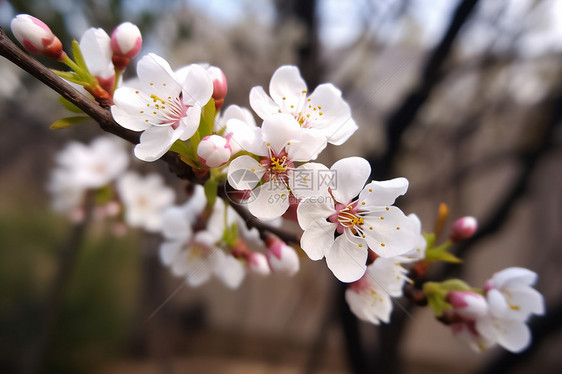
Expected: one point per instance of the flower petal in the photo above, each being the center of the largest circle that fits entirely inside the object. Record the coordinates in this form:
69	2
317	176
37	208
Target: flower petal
246	137
127	108
514	276
383	193
317	238
197	86
346	258
279	130
524	301
370	305
228	269
350	173
96	50
308	180
175	224
156	76
315	209
169	251
244	173
261	103
272	200
335	122
154	142
389	232
188	125
286	82
306	145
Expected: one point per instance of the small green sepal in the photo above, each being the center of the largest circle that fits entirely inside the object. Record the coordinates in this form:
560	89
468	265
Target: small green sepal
63	123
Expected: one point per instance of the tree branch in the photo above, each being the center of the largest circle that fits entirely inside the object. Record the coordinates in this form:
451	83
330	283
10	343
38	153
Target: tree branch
430	76
102	116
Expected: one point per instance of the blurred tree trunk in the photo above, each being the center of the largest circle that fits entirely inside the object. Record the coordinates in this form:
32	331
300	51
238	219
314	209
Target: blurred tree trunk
304	12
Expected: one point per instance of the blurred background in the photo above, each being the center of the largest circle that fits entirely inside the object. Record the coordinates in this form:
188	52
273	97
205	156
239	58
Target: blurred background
462	97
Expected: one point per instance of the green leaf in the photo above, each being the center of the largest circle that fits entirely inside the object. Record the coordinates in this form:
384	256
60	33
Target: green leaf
435	294
207	123
189	161
430	239
82	70
438	305
70	76
70	106
230	235
180	147
63	123
211	187
440	254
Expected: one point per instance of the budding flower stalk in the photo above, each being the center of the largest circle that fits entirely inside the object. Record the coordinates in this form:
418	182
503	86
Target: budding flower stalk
257	263
282	258
214	151
220	85
126	43
464	228
36	36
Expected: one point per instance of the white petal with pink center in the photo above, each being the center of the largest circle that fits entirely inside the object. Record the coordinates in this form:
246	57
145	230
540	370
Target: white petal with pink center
511	296
280	143
360	223
324	110
165	106
369	298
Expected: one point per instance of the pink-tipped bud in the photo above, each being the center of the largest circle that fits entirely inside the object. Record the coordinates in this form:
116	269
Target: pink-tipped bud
126	43
467	304
220	85
282	257
257	263
36	36
214	151
463	229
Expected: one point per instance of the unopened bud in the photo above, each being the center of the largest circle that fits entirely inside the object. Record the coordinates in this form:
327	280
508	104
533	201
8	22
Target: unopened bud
467	304
282	257
463	229
126	43
214	151
36	36
220	85
257	263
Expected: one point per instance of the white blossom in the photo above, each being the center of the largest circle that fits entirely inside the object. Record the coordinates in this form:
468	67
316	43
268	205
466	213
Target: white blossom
197	256
369	298
166	107
144	199
324	110
367	222
279	143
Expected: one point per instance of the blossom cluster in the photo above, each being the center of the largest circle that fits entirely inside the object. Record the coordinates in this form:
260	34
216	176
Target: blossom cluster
268	169
498	314
99	172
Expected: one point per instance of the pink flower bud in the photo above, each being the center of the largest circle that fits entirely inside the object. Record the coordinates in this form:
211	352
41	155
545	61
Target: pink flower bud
282	258
126	43
463	229
257	263
467	304
36	36
220	85
214	151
